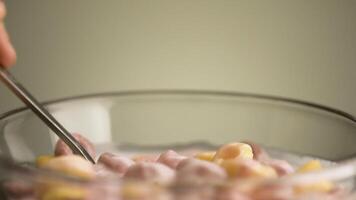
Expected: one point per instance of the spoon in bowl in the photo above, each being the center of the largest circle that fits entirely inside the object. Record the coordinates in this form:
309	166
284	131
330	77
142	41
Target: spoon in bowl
43	114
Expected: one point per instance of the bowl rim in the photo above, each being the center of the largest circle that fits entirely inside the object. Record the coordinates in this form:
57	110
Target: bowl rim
303	103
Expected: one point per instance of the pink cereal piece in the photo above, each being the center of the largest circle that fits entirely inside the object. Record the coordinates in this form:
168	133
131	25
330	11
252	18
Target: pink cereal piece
151	172
335	194
319	196
282	167
61	147
338	192
115	163
145	158
18	189
199	172
98	191
196	193
190	152
230	193
171	158
102	171
273	192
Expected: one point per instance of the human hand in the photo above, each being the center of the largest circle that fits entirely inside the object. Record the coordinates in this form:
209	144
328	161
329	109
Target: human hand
7	51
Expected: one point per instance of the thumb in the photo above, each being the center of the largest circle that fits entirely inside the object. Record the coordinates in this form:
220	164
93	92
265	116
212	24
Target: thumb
7	51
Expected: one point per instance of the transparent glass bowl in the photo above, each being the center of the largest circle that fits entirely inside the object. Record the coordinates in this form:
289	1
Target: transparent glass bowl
150	121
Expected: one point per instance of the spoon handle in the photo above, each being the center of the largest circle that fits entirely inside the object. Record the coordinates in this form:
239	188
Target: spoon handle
43	114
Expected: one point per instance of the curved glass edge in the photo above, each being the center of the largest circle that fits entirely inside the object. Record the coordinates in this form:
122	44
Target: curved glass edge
306	104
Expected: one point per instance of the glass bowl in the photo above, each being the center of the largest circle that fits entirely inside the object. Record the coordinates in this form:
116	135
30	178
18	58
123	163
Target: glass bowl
151	121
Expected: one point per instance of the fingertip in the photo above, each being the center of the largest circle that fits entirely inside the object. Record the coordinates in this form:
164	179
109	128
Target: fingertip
7	51
9	59
2	10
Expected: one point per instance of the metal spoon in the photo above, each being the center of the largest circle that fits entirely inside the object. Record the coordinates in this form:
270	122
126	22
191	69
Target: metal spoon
43	114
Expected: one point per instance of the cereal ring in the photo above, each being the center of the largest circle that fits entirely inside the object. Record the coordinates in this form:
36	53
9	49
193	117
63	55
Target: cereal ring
171	158
245	168
258	153
282	167
18	189
62	148
72	165
199	172
234	150
151	172
115	163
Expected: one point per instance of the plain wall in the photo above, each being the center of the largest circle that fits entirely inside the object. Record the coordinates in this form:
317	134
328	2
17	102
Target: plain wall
304	49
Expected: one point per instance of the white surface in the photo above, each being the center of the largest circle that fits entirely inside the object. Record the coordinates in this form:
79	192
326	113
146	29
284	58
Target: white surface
300	49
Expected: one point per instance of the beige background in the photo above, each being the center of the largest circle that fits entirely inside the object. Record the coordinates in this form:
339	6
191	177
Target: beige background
300	49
